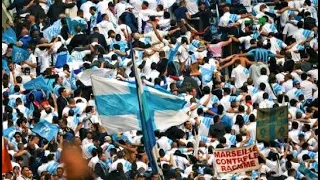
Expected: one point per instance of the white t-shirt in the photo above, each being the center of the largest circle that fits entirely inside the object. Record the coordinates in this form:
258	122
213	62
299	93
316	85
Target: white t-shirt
85	7
240	74
306	88
289	29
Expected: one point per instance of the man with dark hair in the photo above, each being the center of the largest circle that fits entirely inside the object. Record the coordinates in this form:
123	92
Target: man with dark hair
100	168
57	8
96	35
217	129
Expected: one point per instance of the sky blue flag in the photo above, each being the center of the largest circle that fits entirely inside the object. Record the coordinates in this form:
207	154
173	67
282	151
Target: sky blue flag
73	81
72	23
19	55
46	129
36	83
307	172
5	66
52	31
9	36
9	132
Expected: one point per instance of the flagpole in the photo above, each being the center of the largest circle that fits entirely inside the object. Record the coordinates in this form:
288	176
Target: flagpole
142	106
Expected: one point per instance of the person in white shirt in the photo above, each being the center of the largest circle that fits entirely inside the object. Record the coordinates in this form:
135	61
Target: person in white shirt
307	87
126	164
31	62
239	74
102	6
266	103
120	7
154	73
105	26
258	97
85	7
295	92
88	138
290	28
302	35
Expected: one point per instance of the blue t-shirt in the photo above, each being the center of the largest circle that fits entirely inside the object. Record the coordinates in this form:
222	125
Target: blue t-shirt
180	13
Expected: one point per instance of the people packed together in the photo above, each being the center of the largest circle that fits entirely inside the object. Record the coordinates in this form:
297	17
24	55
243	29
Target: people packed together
226	58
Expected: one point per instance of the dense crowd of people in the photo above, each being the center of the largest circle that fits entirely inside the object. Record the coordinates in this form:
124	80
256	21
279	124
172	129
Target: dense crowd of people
226	61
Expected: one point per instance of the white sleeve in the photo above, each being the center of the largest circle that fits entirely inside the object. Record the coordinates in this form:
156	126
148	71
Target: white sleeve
285	29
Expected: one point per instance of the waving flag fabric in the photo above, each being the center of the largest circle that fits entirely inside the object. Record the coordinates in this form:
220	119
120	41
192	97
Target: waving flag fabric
9	36
52	31
19	55
117	104
46	130
36	83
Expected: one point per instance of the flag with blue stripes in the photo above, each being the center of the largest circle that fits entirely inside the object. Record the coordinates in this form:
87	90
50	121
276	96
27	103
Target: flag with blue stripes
46	129
19	55
9	36
52	31
117	100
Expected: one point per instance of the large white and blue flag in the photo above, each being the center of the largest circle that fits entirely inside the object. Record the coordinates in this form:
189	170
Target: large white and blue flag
46	129
9	36
52	31
117	104
119	111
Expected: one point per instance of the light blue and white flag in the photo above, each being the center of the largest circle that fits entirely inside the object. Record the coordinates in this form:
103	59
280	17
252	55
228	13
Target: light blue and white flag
52	31
117	104
9	36
19	55
46	129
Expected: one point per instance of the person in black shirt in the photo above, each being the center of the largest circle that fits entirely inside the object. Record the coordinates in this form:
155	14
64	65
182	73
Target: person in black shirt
96	35
19	5
205	15
35	9
57	8
78	40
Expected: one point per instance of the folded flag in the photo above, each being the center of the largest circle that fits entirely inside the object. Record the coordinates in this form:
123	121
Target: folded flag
118	108
46	129
19	55
9	36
